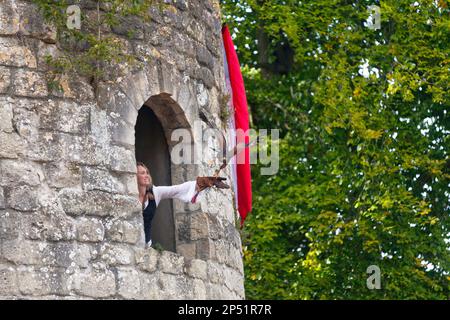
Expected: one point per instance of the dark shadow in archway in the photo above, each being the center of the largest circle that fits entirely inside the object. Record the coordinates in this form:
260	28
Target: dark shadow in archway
152	149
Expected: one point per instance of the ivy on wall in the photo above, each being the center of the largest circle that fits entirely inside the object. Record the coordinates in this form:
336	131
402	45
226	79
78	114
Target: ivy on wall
86	45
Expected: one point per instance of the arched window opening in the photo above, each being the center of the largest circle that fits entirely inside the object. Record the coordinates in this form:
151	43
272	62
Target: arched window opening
153	151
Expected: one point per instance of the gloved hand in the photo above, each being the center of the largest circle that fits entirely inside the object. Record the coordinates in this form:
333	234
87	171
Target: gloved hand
206	182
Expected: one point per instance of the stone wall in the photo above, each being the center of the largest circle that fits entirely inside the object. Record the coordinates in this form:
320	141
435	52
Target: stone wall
70	222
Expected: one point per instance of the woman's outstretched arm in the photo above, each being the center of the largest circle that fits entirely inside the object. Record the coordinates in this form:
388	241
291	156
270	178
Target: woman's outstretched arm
183	192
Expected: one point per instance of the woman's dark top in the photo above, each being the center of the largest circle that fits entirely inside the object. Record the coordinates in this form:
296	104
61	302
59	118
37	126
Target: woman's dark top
148	213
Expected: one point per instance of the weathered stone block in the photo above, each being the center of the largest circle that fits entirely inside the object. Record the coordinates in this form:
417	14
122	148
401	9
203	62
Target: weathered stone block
48	224
13	53
196	31
232	234
114	254
89	9
12	145
130	181
144	52
205	75
59	226
170	14
47	147
96	179
199	226
2	199
150	286
216	230
6	113
122	160
147	259
235	260
151	74
171	263
217	292
30	84
184	96
32	23
199	290
138	89
123	231
183	227
154	37
14	172
130	27
22	198
9	18
197	269
83	255
205	249
121	132
5	80
45	50
27	252
8	281
105	98
75	88
41	281
90	230
215	272
202	95
99	203
62	175
65	116
175	287
211	202
79	202
222	251
117	104
204	57
166	74
32	282
97	282
129	286
99	126
127	206
187	250
26	121
233	280
34	226
9	223
53	146
80	150
70	255
179	208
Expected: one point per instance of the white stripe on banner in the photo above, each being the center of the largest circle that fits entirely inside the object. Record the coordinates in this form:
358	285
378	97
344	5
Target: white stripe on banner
231	135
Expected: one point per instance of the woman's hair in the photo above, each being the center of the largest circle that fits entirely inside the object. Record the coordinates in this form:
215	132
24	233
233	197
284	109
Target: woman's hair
150	190
141	164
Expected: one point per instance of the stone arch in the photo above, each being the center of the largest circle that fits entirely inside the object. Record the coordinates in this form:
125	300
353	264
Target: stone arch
156	119
156	86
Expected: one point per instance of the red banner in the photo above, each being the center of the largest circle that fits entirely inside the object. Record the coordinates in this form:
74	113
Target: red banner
241	119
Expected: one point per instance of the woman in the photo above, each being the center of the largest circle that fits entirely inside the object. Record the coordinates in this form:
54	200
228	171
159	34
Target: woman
150	195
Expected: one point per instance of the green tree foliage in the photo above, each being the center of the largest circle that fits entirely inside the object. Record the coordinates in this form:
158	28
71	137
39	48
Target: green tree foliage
364	165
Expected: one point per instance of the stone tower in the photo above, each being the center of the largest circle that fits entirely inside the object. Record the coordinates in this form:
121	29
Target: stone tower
70	220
